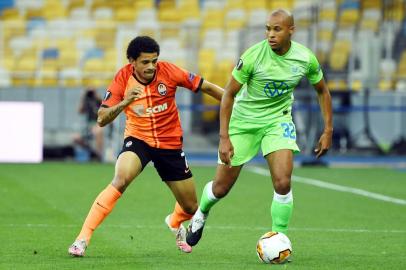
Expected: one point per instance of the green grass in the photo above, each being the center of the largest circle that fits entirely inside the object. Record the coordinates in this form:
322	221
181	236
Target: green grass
43	207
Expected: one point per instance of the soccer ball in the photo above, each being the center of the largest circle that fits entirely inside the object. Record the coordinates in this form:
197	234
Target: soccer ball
274	248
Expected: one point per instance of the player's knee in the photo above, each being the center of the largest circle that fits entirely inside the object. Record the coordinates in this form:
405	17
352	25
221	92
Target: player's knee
219	190
282	185
121	182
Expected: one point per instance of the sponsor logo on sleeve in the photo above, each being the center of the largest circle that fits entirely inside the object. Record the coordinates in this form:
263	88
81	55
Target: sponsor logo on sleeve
191	76
239	64
107	95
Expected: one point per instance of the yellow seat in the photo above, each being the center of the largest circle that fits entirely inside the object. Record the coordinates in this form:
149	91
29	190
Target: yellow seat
189	10
47	76
168	15
337	85
325	34
99	4
256	4
13	28
206	61
235	4
125	14
349	17
54	10
369	24
371	4
94	65
23	73
143	4
328	15
356	85
339	55
213	18
34	13
10	14
386	85
274	4
76	4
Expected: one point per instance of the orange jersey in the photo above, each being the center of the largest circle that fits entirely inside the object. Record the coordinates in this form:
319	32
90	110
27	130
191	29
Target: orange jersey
154	117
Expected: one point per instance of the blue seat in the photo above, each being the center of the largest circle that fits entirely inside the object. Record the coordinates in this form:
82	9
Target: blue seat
50	53
6	4
350	4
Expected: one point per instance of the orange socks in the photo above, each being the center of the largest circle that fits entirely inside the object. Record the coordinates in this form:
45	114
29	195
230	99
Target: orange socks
178	216
101	207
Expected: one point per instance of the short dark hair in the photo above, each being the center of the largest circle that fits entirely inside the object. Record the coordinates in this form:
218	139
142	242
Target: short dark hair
141	44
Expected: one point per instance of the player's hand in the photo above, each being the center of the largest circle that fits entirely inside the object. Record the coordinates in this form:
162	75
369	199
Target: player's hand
133	94
226	151
324	143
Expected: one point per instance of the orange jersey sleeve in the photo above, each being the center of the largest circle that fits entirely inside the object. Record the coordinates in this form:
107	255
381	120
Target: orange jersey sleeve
183	77
115	91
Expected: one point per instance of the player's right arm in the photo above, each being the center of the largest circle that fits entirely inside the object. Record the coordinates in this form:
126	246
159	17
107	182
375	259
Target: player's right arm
107	114
226	149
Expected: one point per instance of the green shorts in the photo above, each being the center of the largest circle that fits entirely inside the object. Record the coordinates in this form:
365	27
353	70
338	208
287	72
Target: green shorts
247	138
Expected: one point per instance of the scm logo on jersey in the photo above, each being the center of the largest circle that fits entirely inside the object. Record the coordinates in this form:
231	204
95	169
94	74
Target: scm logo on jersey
157	109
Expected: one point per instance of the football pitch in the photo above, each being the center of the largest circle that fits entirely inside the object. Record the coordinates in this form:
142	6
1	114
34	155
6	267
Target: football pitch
342	219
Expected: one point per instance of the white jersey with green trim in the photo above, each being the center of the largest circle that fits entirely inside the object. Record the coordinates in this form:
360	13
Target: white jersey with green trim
269	79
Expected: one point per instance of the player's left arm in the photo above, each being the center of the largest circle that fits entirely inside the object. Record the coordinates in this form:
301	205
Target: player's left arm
212	89
324	97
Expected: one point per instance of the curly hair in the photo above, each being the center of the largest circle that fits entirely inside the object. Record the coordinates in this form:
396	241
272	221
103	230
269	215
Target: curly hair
141	44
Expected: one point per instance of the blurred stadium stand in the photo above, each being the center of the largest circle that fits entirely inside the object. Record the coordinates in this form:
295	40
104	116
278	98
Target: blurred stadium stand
51	49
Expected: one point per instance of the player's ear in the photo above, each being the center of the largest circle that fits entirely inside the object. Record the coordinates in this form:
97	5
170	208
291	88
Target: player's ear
291	29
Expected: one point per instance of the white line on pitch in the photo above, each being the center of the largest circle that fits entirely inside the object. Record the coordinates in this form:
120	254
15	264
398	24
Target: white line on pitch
322	184
228	228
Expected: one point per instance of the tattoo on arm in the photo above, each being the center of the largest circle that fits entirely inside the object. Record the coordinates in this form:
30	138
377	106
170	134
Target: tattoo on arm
110	114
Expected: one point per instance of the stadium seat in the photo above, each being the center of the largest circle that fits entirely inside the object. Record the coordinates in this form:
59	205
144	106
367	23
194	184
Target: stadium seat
328	15
302	36
189	13
257	17
11	13
5	80
144	4
235	4
376	4
349	18
288	4
303	14
54	10
213	18
235	19
386	85
125	14
75	4
339	55
256	4
337	85
70	77
212	38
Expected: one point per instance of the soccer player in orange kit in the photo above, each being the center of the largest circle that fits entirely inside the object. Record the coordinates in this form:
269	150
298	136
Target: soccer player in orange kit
145	90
